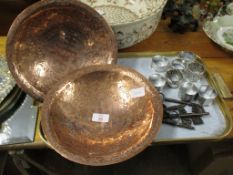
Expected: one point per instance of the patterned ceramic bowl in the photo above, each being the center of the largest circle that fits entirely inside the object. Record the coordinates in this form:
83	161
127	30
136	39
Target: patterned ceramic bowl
229	8
220	30
132	20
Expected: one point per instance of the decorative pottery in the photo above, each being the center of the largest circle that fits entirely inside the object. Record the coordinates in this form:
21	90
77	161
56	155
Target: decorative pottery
220	30
131	20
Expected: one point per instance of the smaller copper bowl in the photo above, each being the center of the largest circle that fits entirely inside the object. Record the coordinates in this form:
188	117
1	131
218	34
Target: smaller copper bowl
52	38
101	115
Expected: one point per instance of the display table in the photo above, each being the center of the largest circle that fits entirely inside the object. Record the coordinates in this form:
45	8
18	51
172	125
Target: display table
163	40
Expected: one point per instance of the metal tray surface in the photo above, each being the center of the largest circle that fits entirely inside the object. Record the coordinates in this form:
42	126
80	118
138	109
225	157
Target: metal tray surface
216	125
20	127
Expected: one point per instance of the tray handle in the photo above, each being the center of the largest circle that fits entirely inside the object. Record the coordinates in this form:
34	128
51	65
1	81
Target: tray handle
42	136
221	86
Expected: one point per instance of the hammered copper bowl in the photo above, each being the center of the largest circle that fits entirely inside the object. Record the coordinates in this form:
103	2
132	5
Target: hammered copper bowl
54	37
101	115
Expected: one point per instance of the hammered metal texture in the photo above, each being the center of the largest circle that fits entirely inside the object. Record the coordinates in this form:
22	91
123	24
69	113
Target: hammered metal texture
133	122
52	38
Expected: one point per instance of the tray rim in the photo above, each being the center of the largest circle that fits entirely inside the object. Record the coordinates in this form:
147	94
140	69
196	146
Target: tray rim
220	101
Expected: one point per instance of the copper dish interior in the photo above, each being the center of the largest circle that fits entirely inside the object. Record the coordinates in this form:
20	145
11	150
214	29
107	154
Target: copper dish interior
52	38
67	115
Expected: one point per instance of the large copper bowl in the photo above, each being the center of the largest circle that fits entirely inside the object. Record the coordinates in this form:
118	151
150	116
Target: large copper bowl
101	115
52	38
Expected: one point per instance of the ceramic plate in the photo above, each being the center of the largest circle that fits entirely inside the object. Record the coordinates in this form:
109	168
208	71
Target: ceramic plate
220	30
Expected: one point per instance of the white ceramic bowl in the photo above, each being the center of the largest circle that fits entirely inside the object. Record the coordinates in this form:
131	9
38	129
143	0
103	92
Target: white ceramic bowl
132	20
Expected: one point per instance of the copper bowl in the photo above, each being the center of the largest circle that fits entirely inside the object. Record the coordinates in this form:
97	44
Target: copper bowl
101	115
53	38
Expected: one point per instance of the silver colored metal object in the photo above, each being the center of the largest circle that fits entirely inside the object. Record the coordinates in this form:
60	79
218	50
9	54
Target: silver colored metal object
178	123
6	80
174	78
158	81
160	63
206	95
188	91
194	72
187	57
20	127
178	64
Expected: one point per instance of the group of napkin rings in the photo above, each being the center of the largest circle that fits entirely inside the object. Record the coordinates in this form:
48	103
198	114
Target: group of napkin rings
185	72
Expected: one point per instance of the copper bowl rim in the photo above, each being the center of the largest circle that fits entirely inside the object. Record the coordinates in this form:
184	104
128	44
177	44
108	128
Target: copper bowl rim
156	124
26	86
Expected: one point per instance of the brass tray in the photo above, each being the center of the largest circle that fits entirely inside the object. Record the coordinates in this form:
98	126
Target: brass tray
101	115
126	59
52	38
